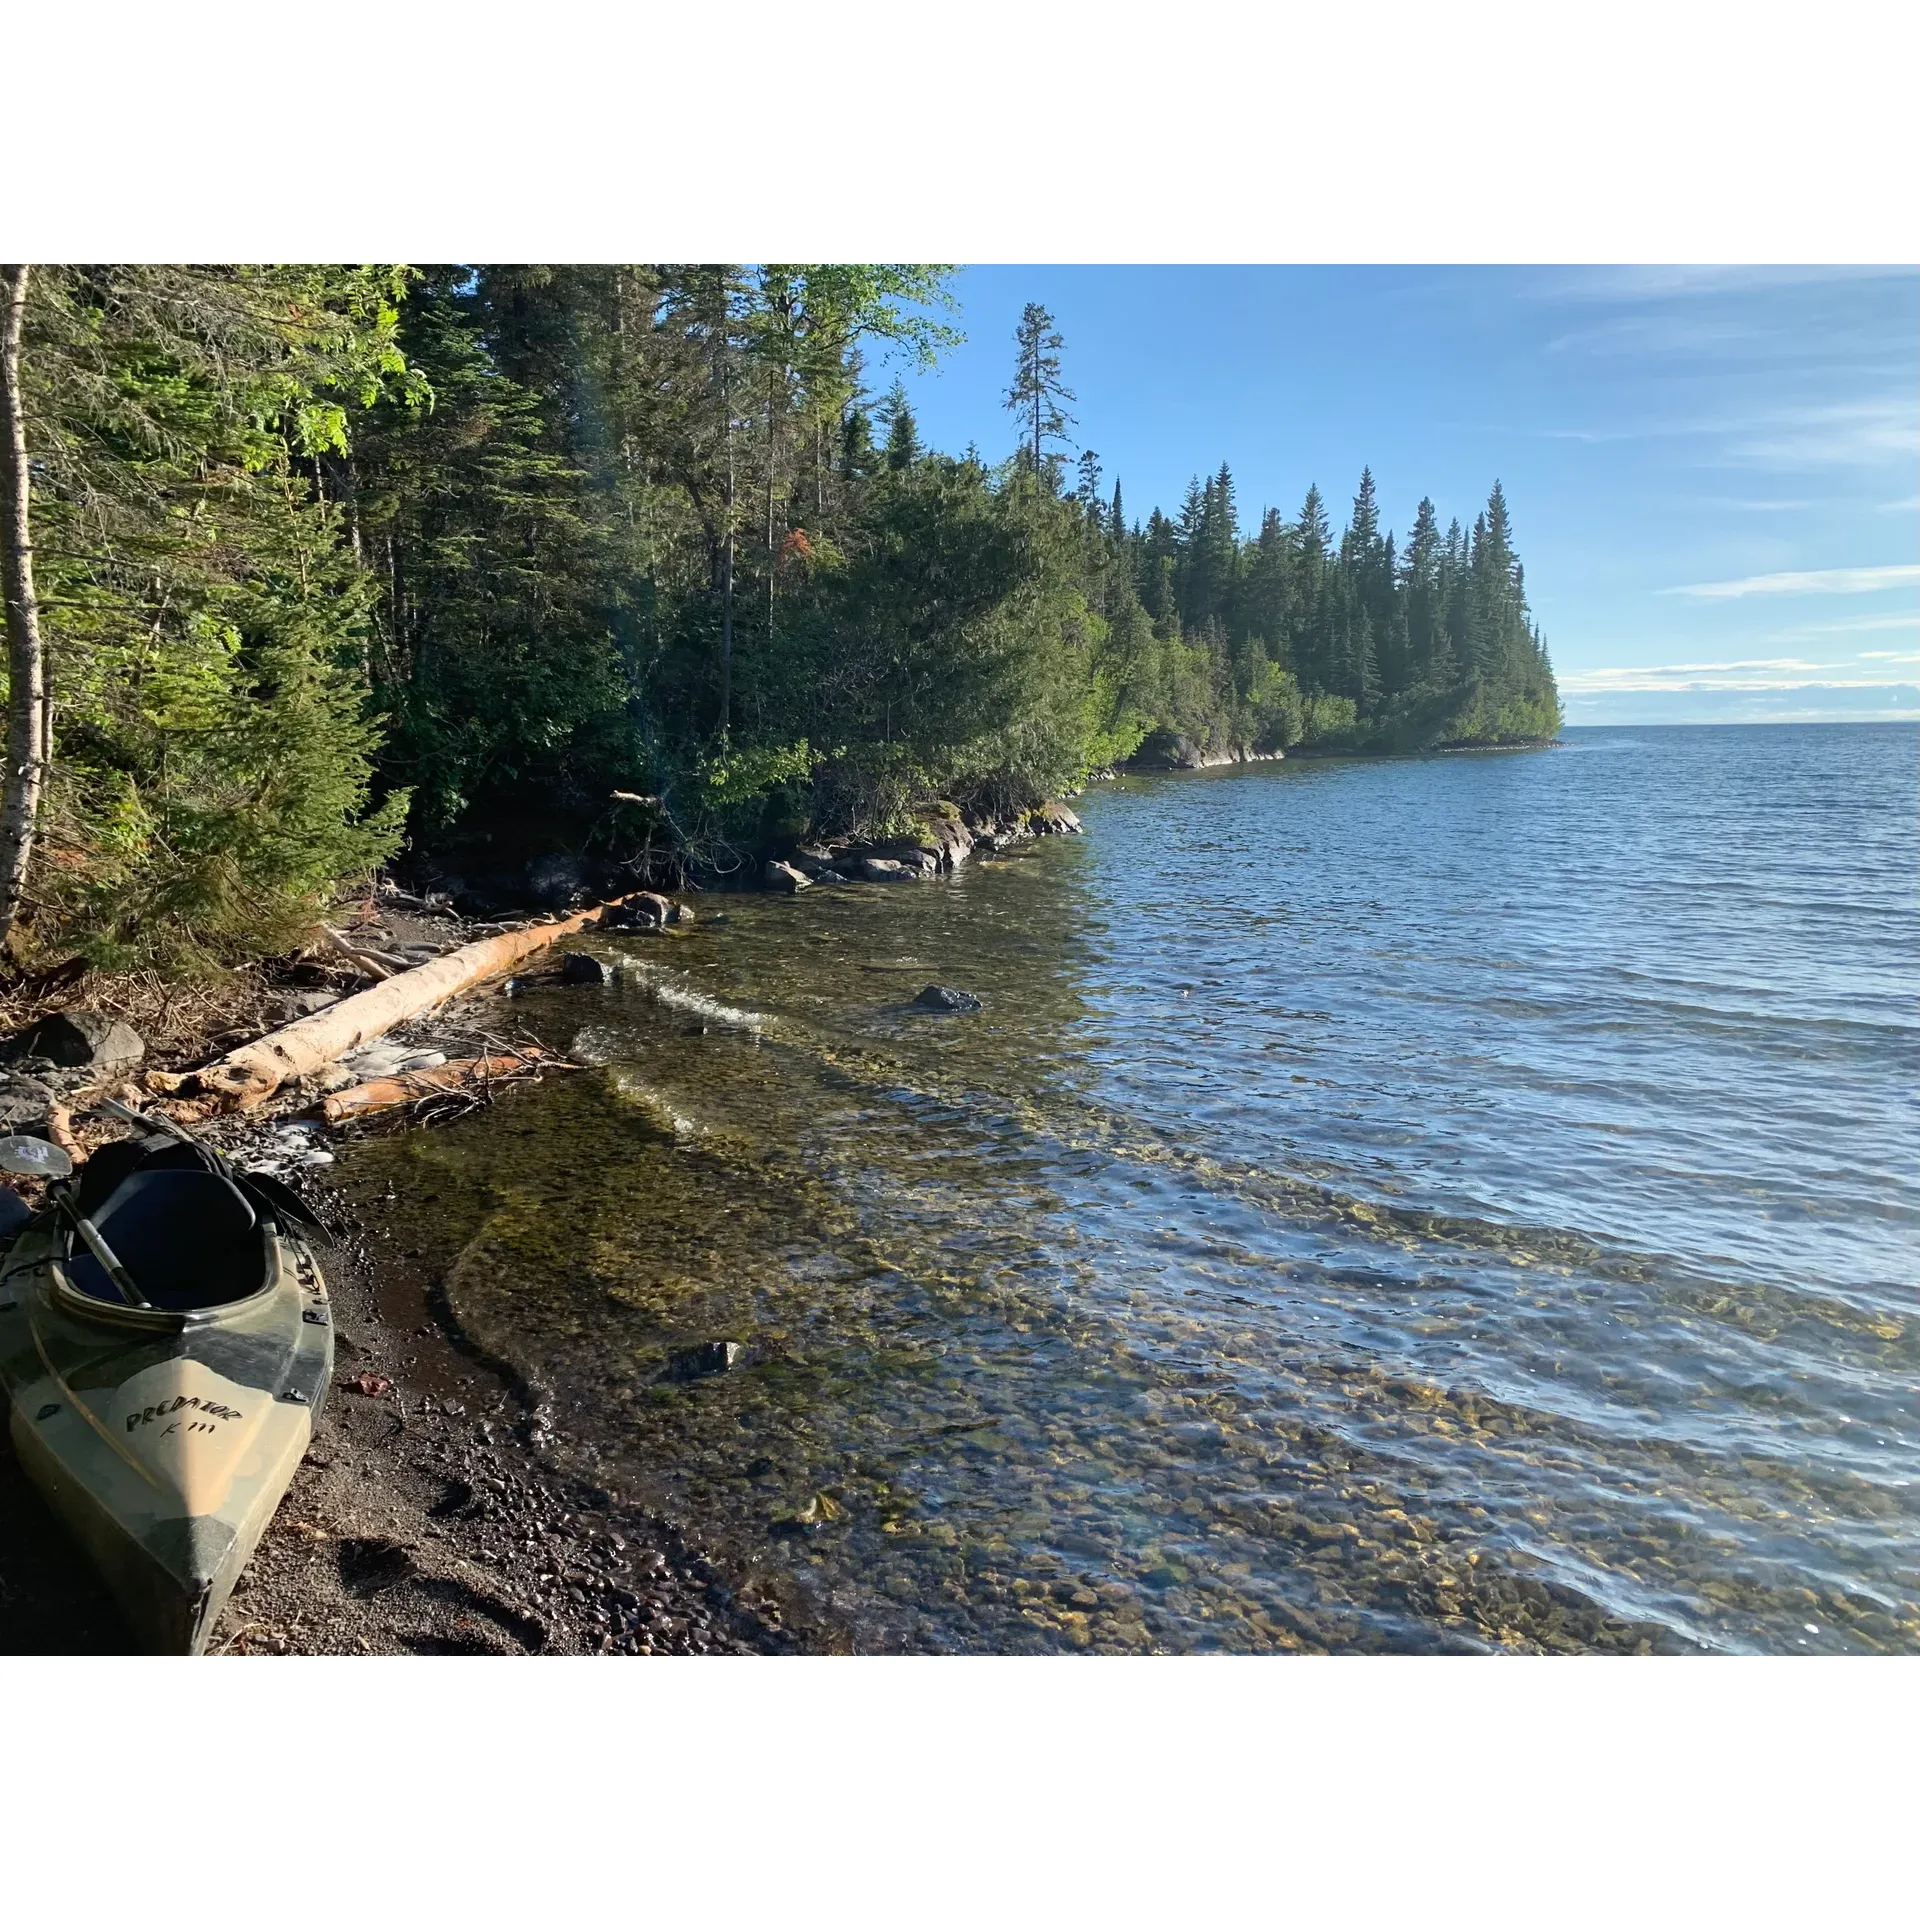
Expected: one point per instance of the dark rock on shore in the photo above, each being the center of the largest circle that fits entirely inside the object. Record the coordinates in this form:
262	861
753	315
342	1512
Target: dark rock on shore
943	838
646	913
24	1104
880	872
1055	817
92	1040
643	910
1167	752
947	836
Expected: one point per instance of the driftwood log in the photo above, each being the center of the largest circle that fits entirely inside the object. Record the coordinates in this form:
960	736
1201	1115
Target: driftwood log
253	1073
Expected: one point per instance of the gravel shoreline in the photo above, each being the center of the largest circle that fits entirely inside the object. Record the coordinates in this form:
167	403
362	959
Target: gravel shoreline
426	1518
429	1515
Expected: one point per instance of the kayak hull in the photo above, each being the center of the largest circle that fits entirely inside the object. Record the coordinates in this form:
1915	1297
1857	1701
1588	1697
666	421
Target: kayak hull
164	1442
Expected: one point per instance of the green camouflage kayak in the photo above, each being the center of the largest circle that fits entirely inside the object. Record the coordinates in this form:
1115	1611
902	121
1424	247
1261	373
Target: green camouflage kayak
162	1397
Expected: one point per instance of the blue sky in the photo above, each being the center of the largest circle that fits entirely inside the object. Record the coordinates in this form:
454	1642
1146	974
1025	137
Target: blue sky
1714	472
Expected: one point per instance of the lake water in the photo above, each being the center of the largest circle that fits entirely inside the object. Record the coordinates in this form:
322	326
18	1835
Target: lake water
1468	1202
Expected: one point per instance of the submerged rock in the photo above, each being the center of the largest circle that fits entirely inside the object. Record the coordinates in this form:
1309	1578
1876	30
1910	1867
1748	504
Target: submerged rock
585	970
710	1357
947	1000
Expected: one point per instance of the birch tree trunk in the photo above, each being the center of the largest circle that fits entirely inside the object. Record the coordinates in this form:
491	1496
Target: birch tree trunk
726	583
26	670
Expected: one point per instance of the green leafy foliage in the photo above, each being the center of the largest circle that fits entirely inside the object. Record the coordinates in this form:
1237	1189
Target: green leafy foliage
210	768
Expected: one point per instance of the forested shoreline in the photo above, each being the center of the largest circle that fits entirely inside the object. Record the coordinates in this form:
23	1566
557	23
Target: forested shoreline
308	565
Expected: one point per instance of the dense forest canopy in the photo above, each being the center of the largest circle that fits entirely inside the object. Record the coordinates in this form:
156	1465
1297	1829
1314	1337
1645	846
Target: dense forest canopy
329	560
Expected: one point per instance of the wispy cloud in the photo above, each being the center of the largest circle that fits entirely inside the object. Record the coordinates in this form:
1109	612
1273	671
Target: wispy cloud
1822	700
1848	434
1692	673
1866	432
1911	504
1866	623
1736	676
1822	580
1637	284
1656	333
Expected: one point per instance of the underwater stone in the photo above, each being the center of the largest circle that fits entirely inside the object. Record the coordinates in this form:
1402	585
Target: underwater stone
947	1000
696	1363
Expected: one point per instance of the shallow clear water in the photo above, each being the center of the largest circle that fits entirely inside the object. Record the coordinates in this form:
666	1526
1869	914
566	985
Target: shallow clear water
1458	1202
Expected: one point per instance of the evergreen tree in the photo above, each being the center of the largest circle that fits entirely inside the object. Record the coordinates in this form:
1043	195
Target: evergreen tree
903	432
1420	592
1038	393
1088	491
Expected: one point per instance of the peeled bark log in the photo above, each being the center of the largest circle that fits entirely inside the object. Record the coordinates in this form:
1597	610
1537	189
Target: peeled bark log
253	1073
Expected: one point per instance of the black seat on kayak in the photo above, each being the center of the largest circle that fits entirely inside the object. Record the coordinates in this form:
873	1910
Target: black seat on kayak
187	1236
107	1166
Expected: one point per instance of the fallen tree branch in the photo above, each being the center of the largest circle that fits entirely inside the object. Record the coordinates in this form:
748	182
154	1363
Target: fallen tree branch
374	967
402	1089
253	1073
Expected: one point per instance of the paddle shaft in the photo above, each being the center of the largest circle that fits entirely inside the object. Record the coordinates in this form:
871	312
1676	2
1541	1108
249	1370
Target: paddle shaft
97	1246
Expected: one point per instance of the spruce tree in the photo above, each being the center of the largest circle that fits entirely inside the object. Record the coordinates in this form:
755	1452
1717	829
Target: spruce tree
1038	393
1088	491
903	432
